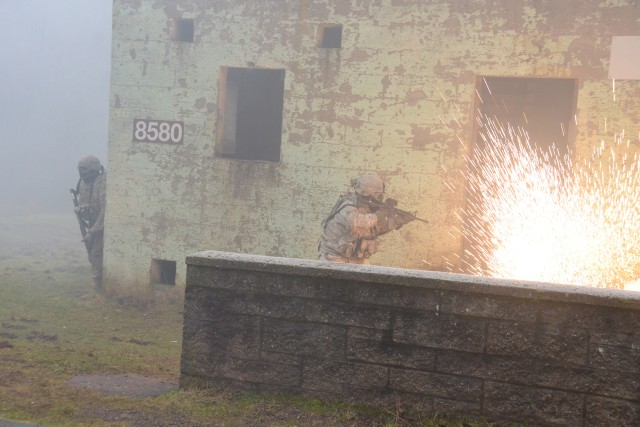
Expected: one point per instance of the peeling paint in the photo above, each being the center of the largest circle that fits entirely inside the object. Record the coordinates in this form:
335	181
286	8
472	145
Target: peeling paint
413	97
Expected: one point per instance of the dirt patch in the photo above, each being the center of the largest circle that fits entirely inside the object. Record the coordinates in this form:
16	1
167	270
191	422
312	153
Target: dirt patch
124	385
135	418
6	325
37	335
24	319
8	335
132	341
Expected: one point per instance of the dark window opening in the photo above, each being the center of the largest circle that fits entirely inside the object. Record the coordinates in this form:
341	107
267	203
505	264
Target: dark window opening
544	107
250	114
163	272
182	30
330	36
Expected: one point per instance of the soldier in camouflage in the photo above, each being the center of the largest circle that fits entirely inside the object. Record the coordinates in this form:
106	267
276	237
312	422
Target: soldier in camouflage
350	231
91	190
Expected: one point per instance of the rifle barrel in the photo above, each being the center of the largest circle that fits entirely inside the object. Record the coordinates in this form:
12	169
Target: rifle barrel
374	203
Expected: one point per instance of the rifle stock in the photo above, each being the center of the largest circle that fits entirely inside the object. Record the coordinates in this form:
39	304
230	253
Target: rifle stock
81	222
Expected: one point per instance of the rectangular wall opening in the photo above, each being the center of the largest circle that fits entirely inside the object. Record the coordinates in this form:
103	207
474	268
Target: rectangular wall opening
542	108
249	125
330	36
182	30
163	272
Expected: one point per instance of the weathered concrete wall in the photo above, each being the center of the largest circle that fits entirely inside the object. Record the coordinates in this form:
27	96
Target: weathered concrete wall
397	98
446	343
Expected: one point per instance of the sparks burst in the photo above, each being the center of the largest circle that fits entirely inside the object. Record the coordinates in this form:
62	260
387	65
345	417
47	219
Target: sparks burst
537	215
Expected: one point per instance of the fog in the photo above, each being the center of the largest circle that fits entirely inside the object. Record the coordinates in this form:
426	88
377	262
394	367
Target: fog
54	99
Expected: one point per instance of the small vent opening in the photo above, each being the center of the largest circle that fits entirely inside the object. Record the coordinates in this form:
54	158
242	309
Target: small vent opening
163	272
182	30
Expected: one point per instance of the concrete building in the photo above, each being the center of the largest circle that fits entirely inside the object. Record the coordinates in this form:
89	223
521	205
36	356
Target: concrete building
236	124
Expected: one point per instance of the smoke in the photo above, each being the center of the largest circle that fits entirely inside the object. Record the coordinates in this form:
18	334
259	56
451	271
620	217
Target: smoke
54	99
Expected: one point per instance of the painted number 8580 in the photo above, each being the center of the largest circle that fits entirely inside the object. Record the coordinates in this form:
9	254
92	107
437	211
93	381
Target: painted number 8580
157	131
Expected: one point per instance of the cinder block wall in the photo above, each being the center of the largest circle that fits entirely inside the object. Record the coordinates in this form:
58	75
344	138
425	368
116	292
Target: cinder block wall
397	98
527	352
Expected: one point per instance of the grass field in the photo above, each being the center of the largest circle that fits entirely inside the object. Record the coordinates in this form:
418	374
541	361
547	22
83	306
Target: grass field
54	327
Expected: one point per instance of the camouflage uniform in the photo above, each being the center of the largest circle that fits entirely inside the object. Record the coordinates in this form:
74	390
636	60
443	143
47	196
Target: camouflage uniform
350	231
92	191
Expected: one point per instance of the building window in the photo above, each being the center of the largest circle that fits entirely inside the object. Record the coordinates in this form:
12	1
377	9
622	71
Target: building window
249	124
544	107
182	30
163	272
330	36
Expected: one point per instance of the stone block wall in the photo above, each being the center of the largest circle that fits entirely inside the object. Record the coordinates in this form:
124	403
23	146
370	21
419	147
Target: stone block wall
446	343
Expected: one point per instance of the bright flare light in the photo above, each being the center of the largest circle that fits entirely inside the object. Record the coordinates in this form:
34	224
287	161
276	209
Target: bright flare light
539	216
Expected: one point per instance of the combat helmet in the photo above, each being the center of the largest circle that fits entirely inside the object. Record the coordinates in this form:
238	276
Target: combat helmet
89	168
369	185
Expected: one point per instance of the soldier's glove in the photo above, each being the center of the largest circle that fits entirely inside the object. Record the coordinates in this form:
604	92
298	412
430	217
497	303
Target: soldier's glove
383	215
88	237
83	209
392	203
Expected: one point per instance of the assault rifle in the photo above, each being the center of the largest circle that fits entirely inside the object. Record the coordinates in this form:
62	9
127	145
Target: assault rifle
390	205
81	222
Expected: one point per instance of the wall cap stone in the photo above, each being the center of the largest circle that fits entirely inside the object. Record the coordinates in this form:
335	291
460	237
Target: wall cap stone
419	278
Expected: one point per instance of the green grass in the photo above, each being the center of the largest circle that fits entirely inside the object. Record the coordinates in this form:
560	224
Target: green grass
54	327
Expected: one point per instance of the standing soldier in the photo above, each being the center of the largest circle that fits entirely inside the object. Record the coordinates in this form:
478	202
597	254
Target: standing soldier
90	202
350	231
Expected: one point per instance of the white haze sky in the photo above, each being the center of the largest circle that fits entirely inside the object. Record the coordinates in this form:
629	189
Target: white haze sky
54	98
